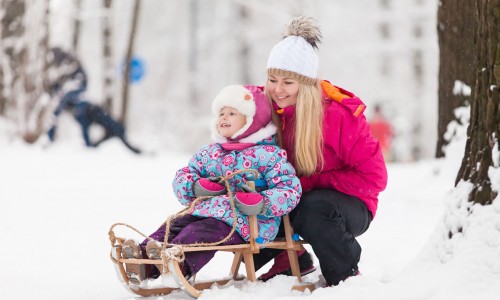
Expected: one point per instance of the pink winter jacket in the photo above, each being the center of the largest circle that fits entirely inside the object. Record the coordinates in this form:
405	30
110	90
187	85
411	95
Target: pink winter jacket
353	161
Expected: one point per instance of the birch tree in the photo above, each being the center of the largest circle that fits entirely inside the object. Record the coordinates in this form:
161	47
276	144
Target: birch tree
12	27
25	35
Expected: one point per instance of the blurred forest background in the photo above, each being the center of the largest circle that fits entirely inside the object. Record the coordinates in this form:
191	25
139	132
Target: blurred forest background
185	51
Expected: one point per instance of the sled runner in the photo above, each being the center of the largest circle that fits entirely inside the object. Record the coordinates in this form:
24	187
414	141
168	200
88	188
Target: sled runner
173	255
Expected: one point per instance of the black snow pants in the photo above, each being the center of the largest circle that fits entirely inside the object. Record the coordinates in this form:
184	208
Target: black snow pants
329	220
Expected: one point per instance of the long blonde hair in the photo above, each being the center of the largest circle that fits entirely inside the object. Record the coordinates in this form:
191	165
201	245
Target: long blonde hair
308	136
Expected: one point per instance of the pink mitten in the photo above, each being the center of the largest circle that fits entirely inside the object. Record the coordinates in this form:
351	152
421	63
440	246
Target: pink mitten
206	187
249	203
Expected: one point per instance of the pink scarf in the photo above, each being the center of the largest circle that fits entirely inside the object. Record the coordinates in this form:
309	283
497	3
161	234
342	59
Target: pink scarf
236	146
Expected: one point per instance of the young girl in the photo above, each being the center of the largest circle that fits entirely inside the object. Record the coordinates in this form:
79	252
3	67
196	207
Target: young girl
328	141
244	136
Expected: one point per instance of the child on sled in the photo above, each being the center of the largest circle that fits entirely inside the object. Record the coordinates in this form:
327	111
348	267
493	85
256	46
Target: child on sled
244	139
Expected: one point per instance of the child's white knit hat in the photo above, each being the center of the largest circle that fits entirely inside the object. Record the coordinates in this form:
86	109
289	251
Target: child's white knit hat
252	102
294	56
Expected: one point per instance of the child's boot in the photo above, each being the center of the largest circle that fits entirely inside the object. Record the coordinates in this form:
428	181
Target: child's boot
153	251
135	272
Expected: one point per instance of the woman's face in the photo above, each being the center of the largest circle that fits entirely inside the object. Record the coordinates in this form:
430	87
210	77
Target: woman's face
283	90
230	120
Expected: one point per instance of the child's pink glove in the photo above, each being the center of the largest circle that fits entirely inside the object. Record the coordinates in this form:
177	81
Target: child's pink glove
249	203
208	187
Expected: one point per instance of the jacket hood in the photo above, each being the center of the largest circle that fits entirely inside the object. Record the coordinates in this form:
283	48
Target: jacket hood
344	97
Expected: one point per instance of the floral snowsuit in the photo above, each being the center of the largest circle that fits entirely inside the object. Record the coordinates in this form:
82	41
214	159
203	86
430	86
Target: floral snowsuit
281	195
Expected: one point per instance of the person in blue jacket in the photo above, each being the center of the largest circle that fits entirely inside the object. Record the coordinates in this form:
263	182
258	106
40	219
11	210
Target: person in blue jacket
68	81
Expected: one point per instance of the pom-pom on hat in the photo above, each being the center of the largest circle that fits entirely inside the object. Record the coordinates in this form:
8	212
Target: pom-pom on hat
294	56
253	104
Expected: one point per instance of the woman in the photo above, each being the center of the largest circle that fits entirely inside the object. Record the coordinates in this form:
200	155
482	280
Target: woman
328	141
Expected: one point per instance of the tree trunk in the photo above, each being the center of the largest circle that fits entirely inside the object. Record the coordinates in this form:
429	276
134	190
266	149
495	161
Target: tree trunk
456	25
44	49
193	54
34	70
3	99
12	27
24	49
76	27
128	57
107	56
484	127
244	45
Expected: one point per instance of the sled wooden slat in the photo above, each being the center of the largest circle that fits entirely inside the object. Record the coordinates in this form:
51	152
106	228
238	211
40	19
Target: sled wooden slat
302	287
230	248
154	292
209	284
294	264
249	266
235	266
136	261
288	232
254	233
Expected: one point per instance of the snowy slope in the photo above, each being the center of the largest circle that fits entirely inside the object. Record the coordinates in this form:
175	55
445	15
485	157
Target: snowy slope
59	202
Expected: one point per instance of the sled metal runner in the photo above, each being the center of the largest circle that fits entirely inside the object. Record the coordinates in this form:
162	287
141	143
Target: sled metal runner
243	252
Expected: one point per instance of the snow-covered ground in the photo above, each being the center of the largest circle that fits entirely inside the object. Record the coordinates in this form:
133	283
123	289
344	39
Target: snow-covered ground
58	203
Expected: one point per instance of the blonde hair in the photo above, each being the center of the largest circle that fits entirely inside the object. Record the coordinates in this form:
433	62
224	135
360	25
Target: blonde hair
308	145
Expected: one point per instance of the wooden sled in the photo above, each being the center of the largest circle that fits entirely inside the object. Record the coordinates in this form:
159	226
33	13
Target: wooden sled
243	252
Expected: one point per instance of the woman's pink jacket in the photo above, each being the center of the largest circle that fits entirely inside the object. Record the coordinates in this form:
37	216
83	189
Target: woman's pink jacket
353	161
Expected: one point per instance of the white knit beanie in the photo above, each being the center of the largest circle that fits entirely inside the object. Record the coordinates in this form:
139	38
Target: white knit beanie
294	56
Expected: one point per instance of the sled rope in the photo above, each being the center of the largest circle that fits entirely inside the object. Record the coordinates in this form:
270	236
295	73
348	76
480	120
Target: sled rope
112	236
175	252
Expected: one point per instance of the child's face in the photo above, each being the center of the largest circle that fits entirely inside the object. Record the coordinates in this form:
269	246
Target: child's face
230	121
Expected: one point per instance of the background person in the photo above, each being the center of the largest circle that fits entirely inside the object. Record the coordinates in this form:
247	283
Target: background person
381	130
68	82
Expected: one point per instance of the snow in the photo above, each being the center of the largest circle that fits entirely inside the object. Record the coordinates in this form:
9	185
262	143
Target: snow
59	202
